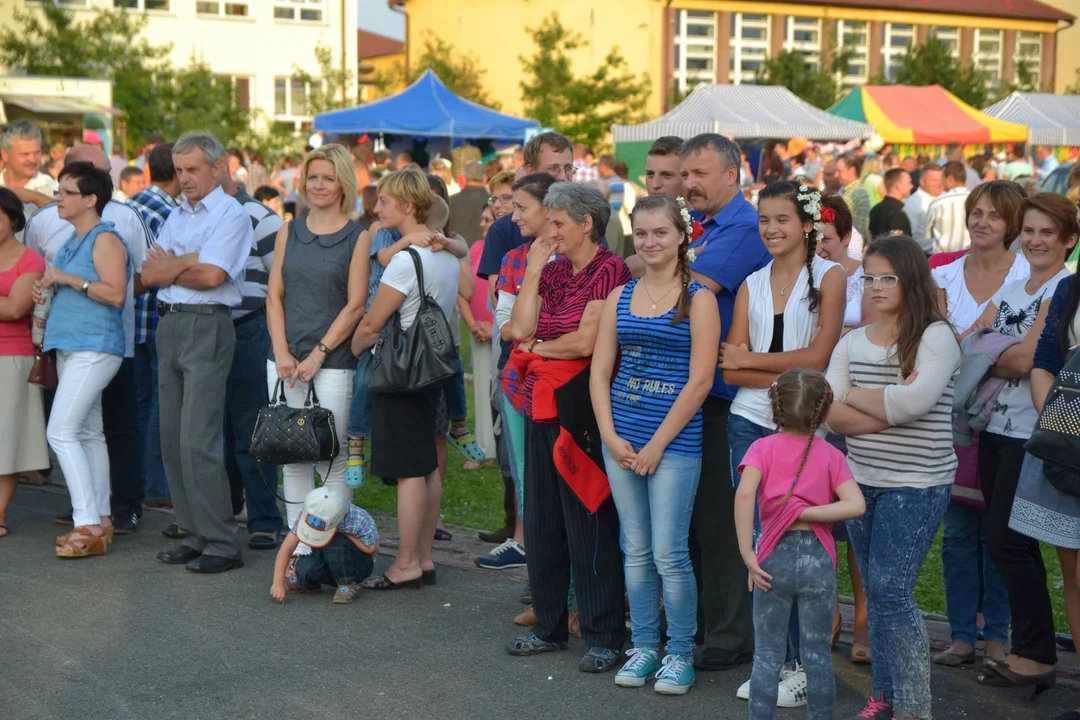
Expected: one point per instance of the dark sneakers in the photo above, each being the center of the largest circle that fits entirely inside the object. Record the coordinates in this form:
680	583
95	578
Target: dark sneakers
532	645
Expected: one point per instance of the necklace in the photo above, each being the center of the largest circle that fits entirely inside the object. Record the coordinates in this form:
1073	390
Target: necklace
656	300
783	288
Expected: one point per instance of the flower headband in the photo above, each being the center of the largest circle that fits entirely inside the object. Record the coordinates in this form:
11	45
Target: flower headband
694	229
811	200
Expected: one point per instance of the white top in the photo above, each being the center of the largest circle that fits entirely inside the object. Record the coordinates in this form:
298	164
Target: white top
440	281
962	308
219	230
917	451
799	326
1014	414
46	232
856	245
917	209
43	183
946	224
853	311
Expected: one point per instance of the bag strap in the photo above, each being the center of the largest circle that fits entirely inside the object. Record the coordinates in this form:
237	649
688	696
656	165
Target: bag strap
312	398
419	275
278	396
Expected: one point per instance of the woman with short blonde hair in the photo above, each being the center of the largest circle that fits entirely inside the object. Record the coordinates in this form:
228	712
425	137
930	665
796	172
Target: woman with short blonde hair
344	173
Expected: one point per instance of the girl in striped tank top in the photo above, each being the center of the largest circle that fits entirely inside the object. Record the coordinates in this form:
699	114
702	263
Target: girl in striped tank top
664	331
893	380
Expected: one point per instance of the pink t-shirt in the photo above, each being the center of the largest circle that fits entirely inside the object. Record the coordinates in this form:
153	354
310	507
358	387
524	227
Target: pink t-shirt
778	457
479	301
15	335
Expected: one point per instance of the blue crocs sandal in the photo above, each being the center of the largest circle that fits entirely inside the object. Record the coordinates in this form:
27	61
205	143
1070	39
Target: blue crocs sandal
467	445
599	660
355	468
532	645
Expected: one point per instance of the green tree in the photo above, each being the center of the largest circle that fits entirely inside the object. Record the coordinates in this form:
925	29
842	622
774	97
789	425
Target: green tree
821	87
328	91
50	41
932	63
584	108
1074	89
460	72
194	98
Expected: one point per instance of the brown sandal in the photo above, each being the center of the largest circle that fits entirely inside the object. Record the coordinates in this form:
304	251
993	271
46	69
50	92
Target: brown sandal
860	654
83	546
108	533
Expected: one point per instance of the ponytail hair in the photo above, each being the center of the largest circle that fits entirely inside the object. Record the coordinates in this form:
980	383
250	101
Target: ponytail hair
800	399
802	197
674	212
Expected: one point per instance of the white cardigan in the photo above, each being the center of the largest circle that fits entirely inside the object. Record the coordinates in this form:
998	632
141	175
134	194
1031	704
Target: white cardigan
799	326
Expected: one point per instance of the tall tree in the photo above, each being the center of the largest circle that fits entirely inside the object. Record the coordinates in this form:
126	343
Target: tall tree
821	87
194	98
584	108
328	91
1074	89
50	41
933	63
460	72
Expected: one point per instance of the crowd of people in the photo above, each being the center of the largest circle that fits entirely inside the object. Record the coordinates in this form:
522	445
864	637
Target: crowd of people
695	404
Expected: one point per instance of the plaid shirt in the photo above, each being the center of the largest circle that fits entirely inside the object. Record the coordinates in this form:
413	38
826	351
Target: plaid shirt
357	523
154	204
585	173
512	272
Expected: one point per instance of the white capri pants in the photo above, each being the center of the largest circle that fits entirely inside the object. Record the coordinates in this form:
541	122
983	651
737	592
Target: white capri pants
76	434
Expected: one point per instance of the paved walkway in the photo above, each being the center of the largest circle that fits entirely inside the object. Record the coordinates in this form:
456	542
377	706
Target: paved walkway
125	637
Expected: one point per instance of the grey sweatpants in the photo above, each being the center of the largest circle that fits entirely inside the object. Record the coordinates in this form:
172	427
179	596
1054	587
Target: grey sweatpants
801	569
195	354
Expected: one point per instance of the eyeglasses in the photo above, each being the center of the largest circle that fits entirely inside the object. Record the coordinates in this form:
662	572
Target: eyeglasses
885	282
500	199
568	169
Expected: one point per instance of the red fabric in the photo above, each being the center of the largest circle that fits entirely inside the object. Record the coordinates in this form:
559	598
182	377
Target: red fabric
15	335
939	259
550	375
588	481
968	488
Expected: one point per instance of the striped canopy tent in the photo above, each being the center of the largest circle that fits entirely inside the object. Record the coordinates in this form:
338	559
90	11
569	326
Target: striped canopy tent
1051	119
743	112
919	119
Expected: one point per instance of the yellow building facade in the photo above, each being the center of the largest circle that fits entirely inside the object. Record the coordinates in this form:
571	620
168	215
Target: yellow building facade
1068	47
680	43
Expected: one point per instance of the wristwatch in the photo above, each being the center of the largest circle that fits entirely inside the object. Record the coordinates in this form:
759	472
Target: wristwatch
85	289
325	350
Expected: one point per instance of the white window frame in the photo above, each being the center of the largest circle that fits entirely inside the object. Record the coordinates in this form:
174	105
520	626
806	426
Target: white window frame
891	55
861	55
748	49
298	9
140	6
221	9
687	78
289	115
1032	41
948	35
989	61
809	49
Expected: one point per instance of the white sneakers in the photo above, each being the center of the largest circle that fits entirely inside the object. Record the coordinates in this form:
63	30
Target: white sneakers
792	690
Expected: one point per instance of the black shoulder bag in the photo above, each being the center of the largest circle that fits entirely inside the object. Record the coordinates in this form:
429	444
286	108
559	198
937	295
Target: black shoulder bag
1056	440
285	435
421	357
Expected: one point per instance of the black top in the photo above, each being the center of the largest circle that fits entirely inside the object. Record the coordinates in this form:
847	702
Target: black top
777	344
887	216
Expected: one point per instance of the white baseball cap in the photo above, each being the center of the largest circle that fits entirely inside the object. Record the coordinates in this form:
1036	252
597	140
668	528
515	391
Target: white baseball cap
323	512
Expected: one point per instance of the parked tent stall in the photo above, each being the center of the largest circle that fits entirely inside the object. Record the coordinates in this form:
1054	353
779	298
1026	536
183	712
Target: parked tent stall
1052	120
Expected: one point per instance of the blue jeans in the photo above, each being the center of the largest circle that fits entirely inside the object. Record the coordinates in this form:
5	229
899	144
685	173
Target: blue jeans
891	542
963	553
148	423
360	408
339	563
456	404
245	395
654	529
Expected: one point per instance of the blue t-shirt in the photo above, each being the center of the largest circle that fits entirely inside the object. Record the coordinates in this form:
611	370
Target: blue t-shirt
503	236
728	253
382	240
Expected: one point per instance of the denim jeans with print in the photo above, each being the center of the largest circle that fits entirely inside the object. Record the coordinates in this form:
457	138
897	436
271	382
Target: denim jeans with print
891	542
654	529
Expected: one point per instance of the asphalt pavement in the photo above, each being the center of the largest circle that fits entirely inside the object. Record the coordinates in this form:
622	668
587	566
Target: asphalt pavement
126	637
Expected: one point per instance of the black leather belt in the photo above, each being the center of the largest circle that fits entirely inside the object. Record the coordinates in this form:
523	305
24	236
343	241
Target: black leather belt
209	309
253	315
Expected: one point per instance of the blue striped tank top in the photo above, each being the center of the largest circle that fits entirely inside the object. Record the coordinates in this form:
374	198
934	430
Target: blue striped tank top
654	366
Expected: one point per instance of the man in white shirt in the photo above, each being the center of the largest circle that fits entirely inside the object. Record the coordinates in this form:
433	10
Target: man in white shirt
917	207
20	152
947	225
46	232
198	262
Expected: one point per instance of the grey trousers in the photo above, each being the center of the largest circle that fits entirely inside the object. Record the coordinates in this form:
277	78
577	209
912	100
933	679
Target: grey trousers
195	353
801	569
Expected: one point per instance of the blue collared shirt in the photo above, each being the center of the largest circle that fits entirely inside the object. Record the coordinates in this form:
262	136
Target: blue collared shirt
728	253
154	205
219	230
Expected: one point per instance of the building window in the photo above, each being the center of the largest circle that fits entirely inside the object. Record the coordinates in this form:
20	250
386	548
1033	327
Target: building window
72	4
854	36
291	97
987	55
241	87
950	36
222	9
803	35
302	10
158	5
695	49
898	38
1029	48
749	46
281	96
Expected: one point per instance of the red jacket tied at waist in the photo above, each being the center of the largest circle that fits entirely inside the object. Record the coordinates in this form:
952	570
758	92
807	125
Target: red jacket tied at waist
550	376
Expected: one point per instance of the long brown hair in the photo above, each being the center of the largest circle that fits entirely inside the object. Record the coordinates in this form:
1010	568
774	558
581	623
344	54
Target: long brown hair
920	307
674	212
791	190
800	399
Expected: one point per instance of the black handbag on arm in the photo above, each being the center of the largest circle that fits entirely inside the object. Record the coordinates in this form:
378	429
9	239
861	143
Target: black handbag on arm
285	435
421	357
1056	439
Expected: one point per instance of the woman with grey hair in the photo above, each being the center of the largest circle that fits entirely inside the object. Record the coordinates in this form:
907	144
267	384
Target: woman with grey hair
555	319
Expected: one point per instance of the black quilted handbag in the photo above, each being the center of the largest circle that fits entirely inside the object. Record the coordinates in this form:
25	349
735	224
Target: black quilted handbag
418	358
285	435
1056	439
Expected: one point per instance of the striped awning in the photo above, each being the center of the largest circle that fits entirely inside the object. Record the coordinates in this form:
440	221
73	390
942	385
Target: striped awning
745	112
57	105
1051	119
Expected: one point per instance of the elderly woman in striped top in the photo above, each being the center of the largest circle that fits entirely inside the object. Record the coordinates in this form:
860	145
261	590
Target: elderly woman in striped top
894	380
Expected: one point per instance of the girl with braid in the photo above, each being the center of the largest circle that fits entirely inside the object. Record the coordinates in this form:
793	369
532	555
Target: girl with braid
665	331
801	485
789	314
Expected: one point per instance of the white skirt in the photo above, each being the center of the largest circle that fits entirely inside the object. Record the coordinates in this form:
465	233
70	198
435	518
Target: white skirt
22	418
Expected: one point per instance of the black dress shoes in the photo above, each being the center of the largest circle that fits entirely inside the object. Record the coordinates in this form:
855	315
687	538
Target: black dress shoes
718	659
180	556
214	564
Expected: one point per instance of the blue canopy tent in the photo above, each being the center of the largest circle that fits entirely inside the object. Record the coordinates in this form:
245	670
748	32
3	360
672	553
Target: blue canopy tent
426	108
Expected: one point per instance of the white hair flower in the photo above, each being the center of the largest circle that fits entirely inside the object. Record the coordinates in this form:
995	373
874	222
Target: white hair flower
811	205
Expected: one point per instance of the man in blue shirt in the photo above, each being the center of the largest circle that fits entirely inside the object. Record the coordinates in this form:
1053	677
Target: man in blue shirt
1045	162
728	251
